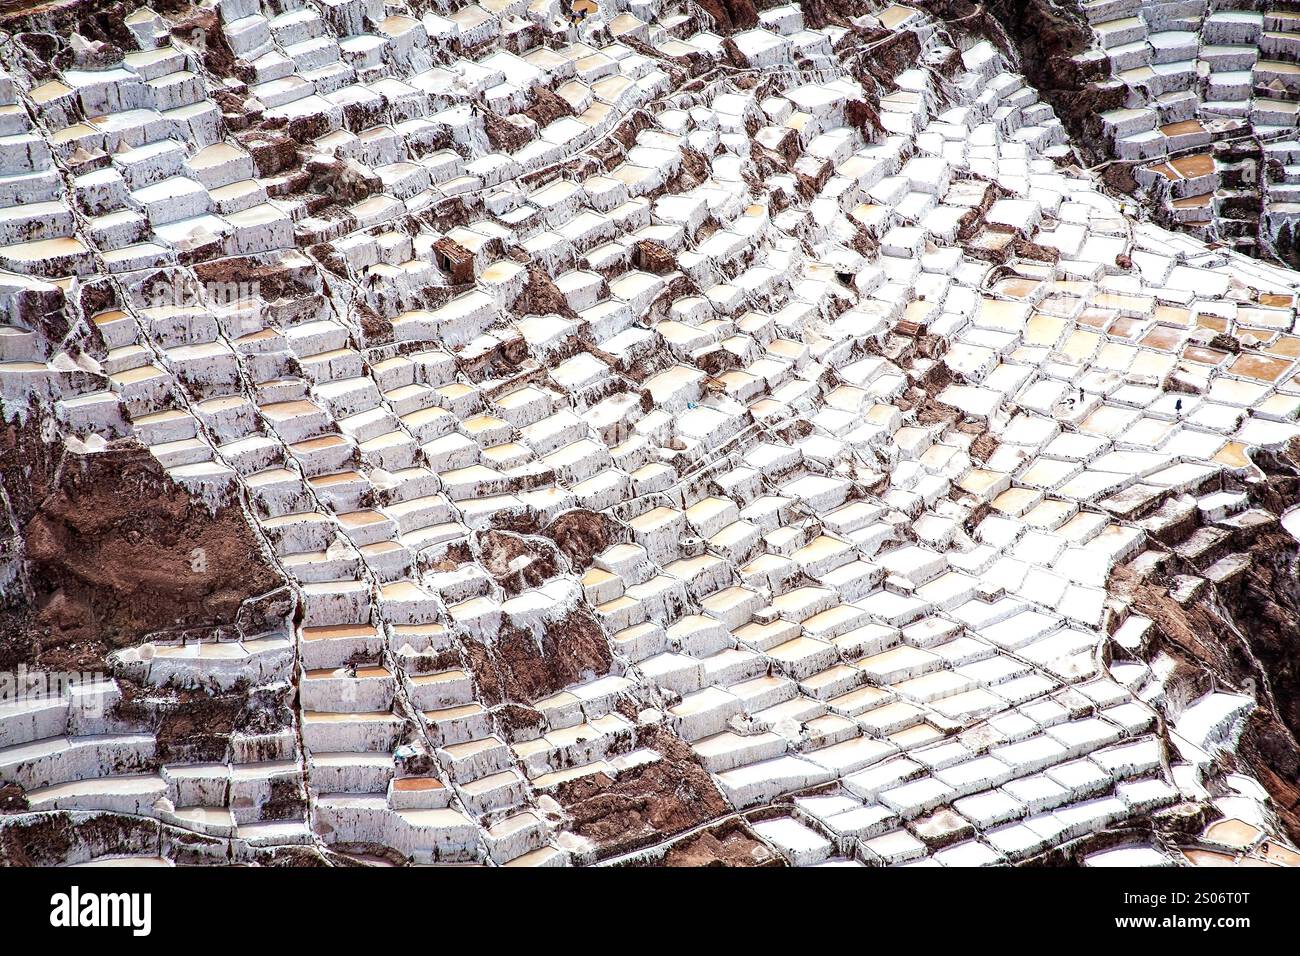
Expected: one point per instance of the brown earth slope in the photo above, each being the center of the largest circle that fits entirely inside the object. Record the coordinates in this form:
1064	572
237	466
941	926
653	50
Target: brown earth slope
113	551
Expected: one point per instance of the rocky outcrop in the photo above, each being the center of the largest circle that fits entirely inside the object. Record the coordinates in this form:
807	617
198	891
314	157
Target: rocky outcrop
646	804
726	846
1243	632
518	667
114	552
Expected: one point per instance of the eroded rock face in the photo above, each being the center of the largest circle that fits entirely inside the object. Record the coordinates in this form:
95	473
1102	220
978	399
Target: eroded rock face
581	535
645	804
724	848
1246	632
731	15
518	667
516	562
196	725
1243	630
541	297
114	554
54	839
1202	166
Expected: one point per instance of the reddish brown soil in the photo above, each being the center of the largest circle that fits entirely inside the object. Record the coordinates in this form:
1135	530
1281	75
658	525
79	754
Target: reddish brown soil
96	20
695	169
516	720
516	667
983	447
818	14
111	548
1245	631
730	16
218	58
859	113
12	799
581	535
271	281
891	54
1032	250
733	848
547	107
504	136
376	329
342	181
192	725
541	296
715	363
273	151
930	412
646	804
1226	342
1265	606
455	555
517	563
50	839
197	729
1119	177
